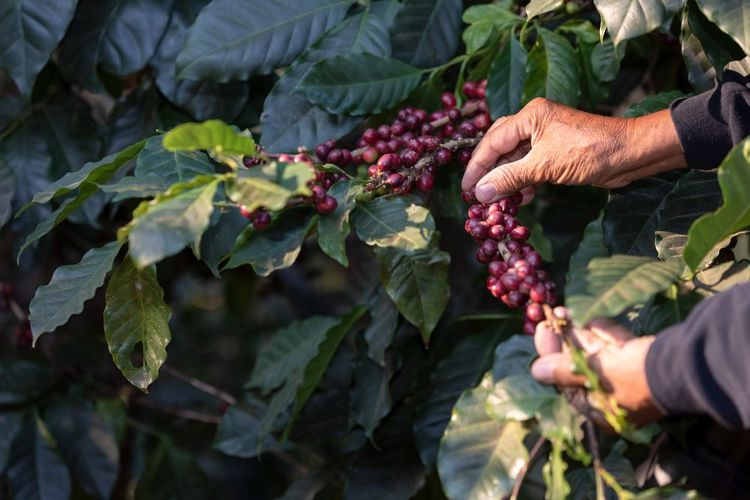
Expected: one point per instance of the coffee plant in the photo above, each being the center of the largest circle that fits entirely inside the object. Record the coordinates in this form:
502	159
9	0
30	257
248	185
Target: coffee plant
269	191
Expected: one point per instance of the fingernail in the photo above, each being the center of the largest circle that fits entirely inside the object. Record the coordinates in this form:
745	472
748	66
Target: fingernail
542	370
486	193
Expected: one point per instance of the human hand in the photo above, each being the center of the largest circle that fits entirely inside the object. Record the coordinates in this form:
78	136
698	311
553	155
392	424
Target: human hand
550	142
613	352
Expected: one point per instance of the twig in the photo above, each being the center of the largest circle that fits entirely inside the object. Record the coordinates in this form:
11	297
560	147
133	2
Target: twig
594	449
525	469
185	413
200	385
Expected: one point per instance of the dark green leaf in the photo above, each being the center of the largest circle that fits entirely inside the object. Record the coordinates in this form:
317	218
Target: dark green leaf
383	322
393	222
117	36
219	239
214	136
7	190
358	84
629	18
171	473
371	396
136	321
239	433
653	103
417	282
507	79
513	357
699	69
26	153
71	135
146	186
22	381
732	17
234	40
553	70
590	247
86	443
29	34
334	228
10	423
275	248
605	62
425	32
171	166
70	287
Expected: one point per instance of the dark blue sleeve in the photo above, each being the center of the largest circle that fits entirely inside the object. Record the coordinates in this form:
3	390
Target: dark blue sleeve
702	365
709	124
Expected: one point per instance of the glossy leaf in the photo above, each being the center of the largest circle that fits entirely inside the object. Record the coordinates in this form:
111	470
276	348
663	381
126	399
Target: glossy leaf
518	397
25	152
538	7
234	40
147	186
171	166
425	32
219	239
333	229
629	18
393	222
69	288
699	69
239	433
358	84
29	34
275	248
270	186
479	456
507	79
136	320
485	21
417	282
214	136
171	223
591	246
734	215
553	70
619	282
732	17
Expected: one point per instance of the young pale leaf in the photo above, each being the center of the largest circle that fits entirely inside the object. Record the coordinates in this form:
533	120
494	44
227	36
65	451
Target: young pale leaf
87	444
484	21
318	365
425	32
393	222
479	456
630	18
417	282
518	397
136	322
235	40
70	287
506	81
590	247
213	136
734	215
619	282
732	17
334	228
29	34
35	469
538	7
359	84
276	248
171	166
7	190
270	185
171	223
553	70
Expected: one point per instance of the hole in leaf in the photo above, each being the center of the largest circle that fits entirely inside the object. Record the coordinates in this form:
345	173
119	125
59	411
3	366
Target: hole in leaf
136	355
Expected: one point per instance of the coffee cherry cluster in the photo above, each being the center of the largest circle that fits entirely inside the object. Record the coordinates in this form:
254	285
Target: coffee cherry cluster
514	265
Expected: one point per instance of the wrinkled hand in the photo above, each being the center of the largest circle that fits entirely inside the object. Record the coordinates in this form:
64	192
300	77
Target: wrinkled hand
614	353
550	142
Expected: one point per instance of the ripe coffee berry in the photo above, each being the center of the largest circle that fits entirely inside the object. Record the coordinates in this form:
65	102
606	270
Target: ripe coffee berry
261	219
326	205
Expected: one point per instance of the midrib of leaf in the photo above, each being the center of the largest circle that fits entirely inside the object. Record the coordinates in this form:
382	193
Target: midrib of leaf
23	35
413	265
369	83
423	36
272	27
393	230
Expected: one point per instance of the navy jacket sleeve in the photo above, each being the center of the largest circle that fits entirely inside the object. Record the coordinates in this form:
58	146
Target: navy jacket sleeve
709	124
702	365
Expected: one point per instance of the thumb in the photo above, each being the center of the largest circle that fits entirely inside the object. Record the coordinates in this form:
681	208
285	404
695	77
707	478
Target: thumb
556	369
507	179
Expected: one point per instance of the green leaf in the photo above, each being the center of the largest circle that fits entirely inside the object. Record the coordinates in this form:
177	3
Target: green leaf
699	69
136	321
732	216
417	282
371	396
25	151
11	425
70	287
479	456
234	40
334	228
35	470
590	247
114	36
393	222
619	282
560	422
538	7
219	239
630	18
585	32
72	136
147	186
239	433
213	136
172	166
732	17
318	365
554	474
29	34
605	63
270	186
276	248
22	381
425	32
513	357
553	70
171	223
485	20
518	397
382	328
86	443
653	103
507	79
97	172
7	190
358	84
172	473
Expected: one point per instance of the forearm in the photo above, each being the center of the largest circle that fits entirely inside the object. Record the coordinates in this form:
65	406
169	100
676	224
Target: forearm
652	145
